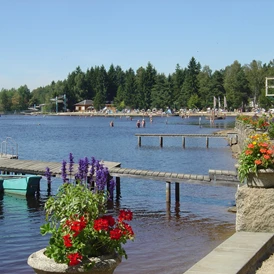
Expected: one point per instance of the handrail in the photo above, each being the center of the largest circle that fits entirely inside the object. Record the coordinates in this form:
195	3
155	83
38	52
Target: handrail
9	147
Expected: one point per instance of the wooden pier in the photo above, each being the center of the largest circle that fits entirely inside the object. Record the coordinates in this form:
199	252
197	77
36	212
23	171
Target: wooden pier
215	177
231	137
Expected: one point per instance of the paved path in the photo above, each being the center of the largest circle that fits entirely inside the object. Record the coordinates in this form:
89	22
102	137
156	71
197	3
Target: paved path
239	254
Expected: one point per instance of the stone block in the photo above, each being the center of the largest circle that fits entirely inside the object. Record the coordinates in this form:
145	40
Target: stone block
255	209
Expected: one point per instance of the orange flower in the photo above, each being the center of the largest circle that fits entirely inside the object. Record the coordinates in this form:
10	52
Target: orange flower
248	152
264	145
263	150
257	162
250	146
266	156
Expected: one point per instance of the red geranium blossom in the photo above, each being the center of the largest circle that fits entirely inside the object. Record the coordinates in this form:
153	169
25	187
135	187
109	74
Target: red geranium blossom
125	215
67	240
74	258
101	224
115	234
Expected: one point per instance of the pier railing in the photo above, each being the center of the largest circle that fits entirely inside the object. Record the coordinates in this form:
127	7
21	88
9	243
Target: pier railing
9	148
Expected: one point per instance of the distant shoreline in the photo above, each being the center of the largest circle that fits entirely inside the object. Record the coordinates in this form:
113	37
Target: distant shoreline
134	114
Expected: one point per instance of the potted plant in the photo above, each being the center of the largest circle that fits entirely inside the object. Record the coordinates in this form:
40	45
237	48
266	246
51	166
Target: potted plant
84	237
256	161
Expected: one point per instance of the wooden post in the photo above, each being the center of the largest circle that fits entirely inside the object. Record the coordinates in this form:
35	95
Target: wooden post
161	141
139	141
184	142
118	188
168	184
177	192
207	142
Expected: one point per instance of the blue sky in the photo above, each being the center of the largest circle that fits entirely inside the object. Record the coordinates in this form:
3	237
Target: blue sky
45	40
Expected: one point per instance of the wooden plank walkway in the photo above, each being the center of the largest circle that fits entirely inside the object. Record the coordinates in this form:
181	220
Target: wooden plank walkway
231	137
39	167
215	177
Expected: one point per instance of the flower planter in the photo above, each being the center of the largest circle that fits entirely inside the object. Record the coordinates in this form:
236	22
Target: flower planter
265	179
41	264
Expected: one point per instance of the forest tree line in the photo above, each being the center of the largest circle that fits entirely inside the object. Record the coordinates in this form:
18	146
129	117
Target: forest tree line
190	87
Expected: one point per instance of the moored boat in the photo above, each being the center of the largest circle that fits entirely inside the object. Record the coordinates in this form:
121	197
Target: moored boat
27	185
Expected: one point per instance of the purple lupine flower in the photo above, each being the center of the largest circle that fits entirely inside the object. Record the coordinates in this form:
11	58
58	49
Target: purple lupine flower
64	171
85	167
97	165
92	169
48	175
101	178
71	162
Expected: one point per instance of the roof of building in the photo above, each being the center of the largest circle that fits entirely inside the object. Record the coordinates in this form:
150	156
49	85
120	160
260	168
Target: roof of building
85	103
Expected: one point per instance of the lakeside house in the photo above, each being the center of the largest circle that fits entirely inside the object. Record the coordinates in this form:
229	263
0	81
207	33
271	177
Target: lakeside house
83	106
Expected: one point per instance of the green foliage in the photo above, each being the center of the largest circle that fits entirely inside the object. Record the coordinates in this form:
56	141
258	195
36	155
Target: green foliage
270	130
240	84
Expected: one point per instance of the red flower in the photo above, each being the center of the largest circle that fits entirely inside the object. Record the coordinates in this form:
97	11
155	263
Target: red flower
127	229
74	258
125	215
67	240
78	226
115	234
101	224
110	219
263	150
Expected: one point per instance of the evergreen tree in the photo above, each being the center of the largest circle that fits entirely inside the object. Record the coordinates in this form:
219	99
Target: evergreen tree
236	86
161	93
130	89
190	86
204	81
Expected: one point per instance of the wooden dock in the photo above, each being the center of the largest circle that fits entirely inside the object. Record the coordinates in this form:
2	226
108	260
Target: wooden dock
231	137
8	165
215	177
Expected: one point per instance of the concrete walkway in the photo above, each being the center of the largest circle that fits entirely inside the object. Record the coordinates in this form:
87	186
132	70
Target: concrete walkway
238	254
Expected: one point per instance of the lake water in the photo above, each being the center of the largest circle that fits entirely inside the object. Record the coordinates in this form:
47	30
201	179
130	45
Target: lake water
167	240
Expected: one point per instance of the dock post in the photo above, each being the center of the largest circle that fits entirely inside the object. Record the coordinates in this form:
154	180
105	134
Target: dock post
161	141
177	192
230	141
118	188
168	192
184	142
139	141
207	142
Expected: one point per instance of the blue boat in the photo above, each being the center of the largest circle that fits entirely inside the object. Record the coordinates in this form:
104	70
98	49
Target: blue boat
27	185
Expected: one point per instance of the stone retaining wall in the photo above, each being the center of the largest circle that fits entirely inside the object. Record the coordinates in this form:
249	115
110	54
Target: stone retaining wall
255	206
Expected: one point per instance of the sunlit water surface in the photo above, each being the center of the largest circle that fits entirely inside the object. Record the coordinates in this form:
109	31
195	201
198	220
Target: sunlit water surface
168	240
